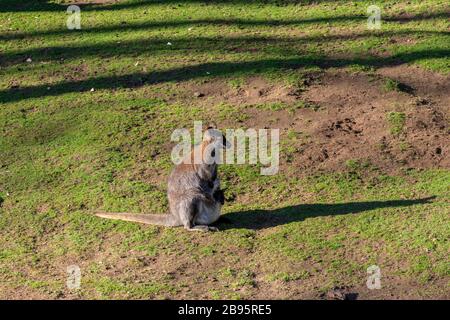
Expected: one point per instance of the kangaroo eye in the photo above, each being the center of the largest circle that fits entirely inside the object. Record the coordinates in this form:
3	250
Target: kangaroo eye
213	153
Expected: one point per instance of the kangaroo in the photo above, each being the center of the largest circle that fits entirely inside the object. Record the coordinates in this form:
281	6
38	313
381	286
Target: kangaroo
194	194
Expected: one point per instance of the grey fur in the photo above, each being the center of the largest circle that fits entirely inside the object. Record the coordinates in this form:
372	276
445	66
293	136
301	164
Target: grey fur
194	194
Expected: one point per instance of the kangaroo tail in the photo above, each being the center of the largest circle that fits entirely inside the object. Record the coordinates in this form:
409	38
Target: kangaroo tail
155	219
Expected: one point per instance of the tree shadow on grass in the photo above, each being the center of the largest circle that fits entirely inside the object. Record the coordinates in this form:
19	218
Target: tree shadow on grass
262	219
98	5
237	22
206	70
112	5
208	45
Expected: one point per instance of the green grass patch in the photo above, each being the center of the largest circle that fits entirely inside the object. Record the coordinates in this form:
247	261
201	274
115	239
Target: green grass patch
396	122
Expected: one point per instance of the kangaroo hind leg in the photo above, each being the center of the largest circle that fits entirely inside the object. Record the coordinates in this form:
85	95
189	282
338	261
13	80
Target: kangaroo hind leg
188	211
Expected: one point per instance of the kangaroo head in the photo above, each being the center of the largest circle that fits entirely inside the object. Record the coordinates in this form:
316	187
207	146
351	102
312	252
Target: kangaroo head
213	141
215	137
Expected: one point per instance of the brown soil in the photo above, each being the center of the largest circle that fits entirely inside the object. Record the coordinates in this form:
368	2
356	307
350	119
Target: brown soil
255	91
351	120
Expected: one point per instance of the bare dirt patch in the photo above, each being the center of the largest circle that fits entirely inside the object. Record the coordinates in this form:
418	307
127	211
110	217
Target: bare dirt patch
254	91
342	115
354	122
427	84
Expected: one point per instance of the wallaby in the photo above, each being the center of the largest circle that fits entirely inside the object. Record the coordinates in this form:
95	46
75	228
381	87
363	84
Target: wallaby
194	193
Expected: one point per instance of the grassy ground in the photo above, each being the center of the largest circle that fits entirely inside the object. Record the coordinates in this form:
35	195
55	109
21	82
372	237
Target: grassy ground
85	124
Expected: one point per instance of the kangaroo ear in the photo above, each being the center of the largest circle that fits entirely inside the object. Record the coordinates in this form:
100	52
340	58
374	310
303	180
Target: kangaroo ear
212	125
